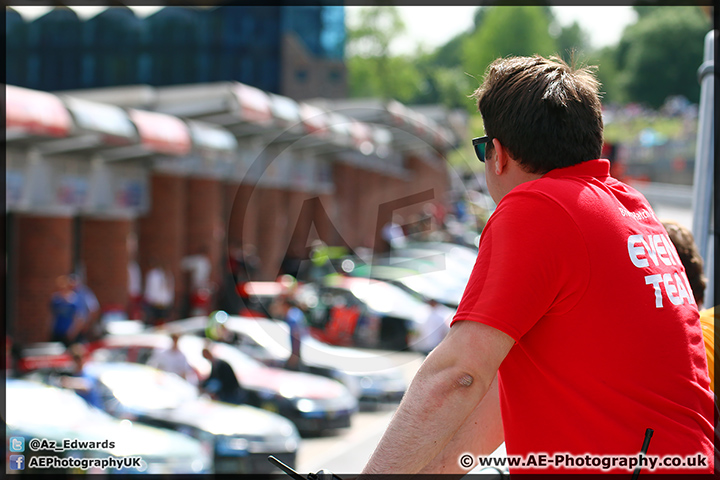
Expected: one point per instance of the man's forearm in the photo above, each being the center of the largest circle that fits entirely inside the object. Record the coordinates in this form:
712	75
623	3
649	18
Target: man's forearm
449	385
480	435
435	406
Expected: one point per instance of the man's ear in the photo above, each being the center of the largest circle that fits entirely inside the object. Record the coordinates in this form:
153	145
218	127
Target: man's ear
501	157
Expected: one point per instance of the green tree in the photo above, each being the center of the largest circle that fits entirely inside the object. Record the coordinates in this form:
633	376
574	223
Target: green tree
403	82
377	28
573	42
372	70
504	31
444	77
607	74
659	55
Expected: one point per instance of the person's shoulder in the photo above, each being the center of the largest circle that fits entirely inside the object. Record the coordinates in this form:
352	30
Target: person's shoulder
707	316
529	196
223	364
295	314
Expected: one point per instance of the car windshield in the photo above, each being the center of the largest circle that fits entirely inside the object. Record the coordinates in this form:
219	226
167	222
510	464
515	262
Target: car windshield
192	348
383	297
236	358
439	285
459	262
271	335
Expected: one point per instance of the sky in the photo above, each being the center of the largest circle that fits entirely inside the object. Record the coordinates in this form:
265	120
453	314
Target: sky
432	26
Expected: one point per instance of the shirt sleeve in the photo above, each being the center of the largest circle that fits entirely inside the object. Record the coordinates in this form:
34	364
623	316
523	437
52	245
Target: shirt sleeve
91	300
532	261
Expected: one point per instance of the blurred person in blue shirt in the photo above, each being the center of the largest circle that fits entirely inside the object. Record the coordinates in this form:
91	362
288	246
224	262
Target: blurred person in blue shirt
88	308
64	308
79	380
286	308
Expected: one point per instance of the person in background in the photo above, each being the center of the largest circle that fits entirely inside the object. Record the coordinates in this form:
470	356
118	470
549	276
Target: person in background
286	308
234	257
687	250
66	321
159	293
200	286
245	266
173	360
135	294
393	233
222	383
217	331
244	262
135	291
707	321
88	308
79	380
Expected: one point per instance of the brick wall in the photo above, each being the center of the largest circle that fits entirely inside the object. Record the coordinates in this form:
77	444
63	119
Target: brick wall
241	214
299	231
347	191
271	226
44	246
325	214
105	256
370	197
161	232
204	220
427	175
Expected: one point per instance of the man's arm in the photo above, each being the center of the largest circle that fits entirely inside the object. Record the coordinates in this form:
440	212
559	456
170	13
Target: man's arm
75	328
480	435
448	387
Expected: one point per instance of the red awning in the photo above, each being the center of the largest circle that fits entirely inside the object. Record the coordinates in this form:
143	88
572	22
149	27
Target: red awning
362	136
339	125
255	105
162	133
399	113
419	122
315	119
35	112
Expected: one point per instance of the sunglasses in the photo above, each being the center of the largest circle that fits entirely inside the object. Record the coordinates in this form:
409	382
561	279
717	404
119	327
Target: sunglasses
479	145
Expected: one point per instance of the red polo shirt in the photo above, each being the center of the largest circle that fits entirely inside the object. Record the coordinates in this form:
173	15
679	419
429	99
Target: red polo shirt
578	271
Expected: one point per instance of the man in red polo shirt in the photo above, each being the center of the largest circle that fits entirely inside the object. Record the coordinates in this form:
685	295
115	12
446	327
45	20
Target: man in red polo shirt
578	311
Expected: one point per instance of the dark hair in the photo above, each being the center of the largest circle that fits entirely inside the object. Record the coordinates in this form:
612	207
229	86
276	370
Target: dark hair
545	113
690	257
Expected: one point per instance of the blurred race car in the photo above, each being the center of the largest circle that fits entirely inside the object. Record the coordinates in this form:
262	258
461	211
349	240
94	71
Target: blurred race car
428	270
419	278
359	312
41	356
242	436
372	313
372	377
313	403
37	411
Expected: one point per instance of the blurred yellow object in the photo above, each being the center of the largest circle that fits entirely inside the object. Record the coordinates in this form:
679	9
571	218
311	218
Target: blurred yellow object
707	321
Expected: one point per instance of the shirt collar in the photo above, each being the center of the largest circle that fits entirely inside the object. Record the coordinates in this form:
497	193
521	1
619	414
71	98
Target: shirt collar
598	168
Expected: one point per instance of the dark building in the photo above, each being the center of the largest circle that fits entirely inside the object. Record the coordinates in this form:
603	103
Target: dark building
292	51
